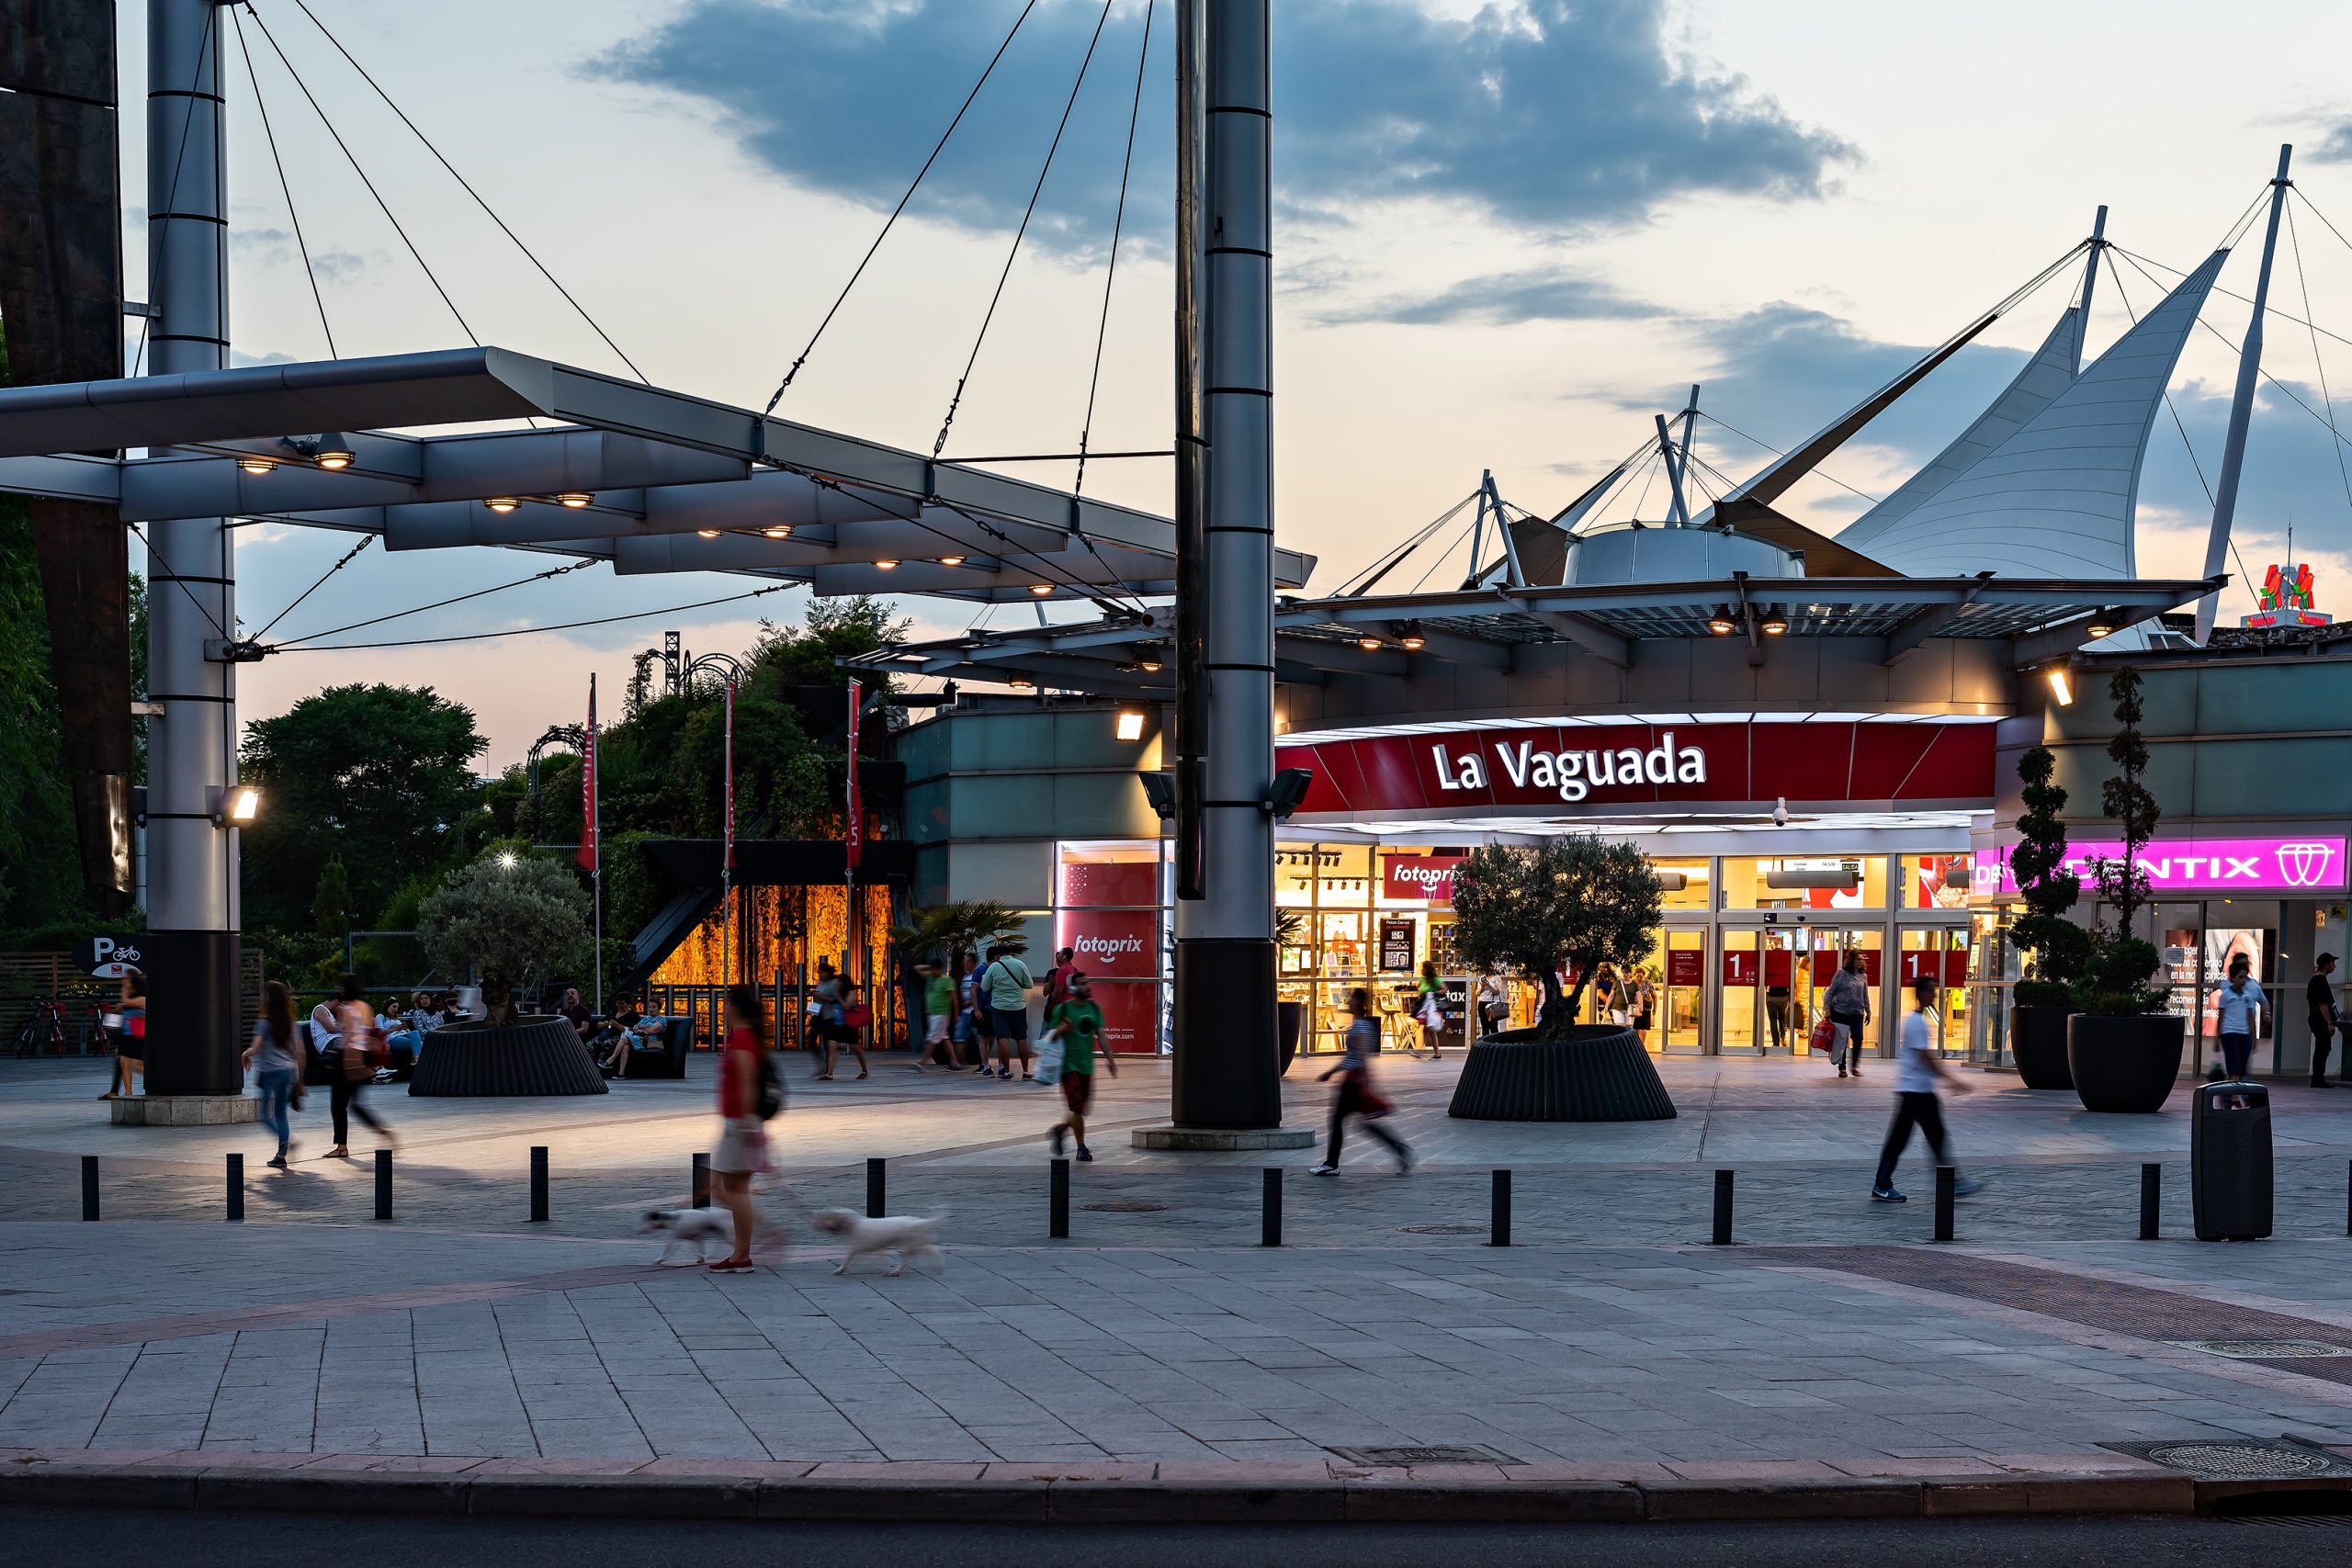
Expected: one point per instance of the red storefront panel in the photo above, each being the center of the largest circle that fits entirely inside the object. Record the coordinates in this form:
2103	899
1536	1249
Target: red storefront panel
1739	966
1420	876
1099	883
1130	1016
1685	967
1112	945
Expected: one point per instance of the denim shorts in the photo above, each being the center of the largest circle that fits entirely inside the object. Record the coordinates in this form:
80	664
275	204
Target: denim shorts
1011	1024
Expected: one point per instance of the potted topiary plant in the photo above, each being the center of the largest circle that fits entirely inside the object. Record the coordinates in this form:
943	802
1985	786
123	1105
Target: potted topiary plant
2044	999
1290	1016
2122	1047
1573	900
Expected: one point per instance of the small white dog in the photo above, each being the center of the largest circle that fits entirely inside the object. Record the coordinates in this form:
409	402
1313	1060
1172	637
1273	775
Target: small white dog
690	1227
905	1239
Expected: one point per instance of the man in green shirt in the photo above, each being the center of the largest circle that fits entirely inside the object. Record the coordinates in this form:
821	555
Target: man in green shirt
1077	1023
939	1017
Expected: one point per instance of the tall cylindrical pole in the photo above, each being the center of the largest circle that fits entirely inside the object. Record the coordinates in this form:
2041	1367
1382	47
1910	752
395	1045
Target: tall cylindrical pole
1226	1073
2090	283
2225	488
193	913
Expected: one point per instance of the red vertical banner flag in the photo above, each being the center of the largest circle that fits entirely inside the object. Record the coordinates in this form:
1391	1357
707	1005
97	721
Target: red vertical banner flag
590	844
729	861
853	842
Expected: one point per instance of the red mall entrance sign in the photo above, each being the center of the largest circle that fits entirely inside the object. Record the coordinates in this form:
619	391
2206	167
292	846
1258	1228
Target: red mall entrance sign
1740	966
1685	967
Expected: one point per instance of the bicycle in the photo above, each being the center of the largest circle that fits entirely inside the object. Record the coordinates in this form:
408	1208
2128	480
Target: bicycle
46	1026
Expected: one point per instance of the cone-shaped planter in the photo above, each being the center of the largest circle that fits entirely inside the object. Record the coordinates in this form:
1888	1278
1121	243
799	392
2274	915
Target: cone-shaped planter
532	1055
1598	1073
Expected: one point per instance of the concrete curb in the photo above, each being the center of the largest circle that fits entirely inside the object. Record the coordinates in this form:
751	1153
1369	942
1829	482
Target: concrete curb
547	1491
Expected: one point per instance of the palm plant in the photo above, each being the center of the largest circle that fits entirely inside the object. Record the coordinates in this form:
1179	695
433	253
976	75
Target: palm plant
950	930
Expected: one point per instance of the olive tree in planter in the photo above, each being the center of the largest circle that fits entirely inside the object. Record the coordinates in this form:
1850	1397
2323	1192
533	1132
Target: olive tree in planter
503	922
2060	947
2122	1047
1525	910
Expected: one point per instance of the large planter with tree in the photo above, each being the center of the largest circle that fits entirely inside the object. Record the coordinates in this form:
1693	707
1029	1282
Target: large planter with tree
503	918
2044	999
2122	1048
1583	901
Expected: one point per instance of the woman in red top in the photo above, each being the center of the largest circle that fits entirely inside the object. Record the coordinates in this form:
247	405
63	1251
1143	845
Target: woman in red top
744	1139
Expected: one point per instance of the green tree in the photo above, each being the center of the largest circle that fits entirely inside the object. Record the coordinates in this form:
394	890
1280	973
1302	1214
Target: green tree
506	923
832	628
380	773
1591	901
2061	948
2117	979
40	872
331	903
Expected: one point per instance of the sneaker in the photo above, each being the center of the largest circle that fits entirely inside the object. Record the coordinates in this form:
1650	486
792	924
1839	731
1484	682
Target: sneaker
278	1160
1058	1135
1841	1072
1085	1154
1326	1169
1963	1189
1404	1163
1887	1195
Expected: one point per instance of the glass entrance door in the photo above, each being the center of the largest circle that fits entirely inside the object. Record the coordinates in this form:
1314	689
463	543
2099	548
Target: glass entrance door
1831	949
1787	961
1941	953
1681	1027
1742	993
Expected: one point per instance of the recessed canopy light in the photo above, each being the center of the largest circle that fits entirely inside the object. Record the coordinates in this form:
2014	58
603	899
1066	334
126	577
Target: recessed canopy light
1369	644
1041	588
951	560
2100	629
1411	639
575	499
503	502
335	457
1023	683
1774	624
1149	663
777	531
886	566
1721	623
705	533
257	465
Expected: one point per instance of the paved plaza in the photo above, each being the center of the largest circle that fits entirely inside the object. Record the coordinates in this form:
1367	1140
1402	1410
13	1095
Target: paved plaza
1609	1340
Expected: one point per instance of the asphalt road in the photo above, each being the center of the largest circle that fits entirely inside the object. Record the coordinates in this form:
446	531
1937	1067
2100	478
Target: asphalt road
73	1537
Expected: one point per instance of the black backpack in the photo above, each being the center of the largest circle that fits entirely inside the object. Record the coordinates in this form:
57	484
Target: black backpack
771	1087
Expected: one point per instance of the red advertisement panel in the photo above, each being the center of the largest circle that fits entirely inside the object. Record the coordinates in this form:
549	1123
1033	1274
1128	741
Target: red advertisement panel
1779	969
1112	945
1739	966
1929	963
1100	883
1956	968
1685	967
1130	1016
1420	876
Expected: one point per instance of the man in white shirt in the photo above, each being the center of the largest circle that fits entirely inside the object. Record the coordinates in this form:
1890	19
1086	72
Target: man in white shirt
1918	1071
2240	1001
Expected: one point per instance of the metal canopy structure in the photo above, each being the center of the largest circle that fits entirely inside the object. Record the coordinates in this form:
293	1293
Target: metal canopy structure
1314	637
650	479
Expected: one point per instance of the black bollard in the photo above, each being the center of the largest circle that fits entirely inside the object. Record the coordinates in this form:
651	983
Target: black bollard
2152	1190
538	1183
89	1186
1057	1200
1498	1220
1723	1207
702	1182
236	1187
1269	1208
1947	1189
383	1184
876	1199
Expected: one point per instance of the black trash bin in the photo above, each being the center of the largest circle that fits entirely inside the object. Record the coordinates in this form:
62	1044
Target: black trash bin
2229	1162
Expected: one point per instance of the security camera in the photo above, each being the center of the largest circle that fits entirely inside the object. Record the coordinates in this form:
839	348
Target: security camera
1780	812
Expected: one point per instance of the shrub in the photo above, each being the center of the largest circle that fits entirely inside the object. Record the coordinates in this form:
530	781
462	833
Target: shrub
1590	901
504	923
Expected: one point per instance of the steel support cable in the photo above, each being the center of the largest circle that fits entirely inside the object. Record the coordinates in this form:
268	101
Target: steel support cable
940	444
1389	561
467	187
2327	398
441	604
1111	271
261	107
2117	276
172	191
385	208
1631	464
1047	568
559	626
2137	260
157	556
937	148
1824	473
348	557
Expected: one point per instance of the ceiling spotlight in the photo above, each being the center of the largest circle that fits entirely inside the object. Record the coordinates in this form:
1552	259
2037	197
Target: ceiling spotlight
886	565
503	502
575	499
1721	623
1411	639
257	465
951	560
776	531
705	533
335	457
1369	644
1773	624
1041	588
2061	687
1021	683
1148	664
2100	628
1130	726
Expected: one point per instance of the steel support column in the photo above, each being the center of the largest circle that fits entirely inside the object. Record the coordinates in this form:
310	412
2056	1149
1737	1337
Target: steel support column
1227	1073
2225	486
193	911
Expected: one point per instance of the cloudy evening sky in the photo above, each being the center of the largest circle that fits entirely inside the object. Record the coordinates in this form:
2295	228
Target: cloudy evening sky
1506	235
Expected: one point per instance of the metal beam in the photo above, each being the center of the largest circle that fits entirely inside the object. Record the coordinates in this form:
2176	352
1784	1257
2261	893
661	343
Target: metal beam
65	477
1912	634
1609	647
2074	636
1339	658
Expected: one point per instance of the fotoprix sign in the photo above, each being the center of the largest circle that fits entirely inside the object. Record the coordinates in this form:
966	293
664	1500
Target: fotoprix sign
1471	772
2306	862
1420	876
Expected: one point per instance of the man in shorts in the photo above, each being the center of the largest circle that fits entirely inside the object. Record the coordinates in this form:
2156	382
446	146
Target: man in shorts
1076	1022
938	1017
1005	984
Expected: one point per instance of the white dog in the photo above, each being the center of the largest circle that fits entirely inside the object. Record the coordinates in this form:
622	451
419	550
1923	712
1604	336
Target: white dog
905	1239
692	1227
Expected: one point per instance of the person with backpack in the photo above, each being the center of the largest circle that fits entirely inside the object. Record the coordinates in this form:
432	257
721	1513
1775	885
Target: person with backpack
1005	984
751	1092
1076	1021
277	1063
1356	1095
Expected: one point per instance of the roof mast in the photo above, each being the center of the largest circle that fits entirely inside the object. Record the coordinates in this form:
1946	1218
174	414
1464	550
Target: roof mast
2090	282
2225	492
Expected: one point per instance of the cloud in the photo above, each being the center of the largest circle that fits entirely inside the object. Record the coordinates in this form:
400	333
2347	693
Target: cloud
2335	146
1544	114
1504	298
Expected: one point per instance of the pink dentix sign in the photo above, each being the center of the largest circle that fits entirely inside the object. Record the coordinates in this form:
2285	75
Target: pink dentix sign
2310	862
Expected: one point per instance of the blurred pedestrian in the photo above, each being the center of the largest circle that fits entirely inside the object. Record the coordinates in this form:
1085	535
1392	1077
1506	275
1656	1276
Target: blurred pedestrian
938	1018
978	1023
1357	1097
846	1026
130	1035
1077	1023
749	1093
276	1060
357	1057
1918	1071
1429	1006
2318	997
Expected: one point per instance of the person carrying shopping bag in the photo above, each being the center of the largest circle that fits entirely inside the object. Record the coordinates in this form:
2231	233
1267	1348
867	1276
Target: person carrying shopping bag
1356	1095
1848	1003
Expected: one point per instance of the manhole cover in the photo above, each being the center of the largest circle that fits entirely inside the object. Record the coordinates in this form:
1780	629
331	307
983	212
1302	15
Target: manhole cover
1444	1230
2265	1349
1463	1454
2246	1459
1124	1206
